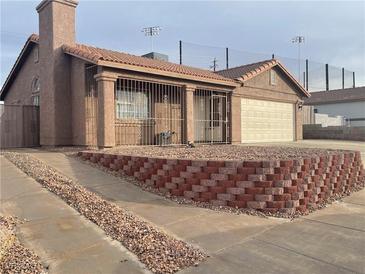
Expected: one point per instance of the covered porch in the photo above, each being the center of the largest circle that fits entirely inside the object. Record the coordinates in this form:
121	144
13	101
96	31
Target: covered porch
133	111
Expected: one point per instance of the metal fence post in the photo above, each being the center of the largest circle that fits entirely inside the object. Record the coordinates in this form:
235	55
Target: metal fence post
306	73
353	79
343	78
327	80
180	51
304	78
227	58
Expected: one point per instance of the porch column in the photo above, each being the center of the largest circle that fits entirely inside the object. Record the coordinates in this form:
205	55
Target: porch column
236	119
298	121
189	113
106	110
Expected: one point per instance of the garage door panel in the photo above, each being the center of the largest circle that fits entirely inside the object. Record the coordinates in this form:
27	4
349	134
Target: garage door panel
266	121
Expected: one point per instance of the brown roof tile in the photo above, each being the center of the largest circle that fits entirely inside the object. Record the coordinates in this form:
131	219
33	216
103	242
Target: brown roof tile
95	54
247	70
34	38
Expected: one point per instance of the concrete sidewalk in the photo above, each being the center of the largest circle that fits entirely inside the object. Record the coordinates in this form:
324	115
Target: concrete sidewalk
64	240
328	241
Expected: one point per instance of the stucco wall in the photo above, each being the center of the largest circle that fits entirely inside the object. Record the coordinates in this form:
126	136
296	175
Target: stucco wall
56	27
259	87
20	92
326	121
78	101
347	109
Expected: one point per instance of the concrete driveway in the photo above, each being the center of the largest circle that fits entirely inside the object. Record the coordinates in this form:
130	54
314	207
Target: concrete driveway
331	240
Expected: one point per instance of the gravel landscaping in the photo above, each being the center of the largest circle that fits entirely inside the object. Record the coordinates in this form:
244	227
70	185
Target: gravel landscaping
221	152
160	252
14	257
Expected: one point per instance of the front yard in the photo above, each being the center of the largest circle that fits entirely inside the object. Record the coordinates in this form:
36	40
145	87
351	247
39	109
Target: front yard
167	236
222	152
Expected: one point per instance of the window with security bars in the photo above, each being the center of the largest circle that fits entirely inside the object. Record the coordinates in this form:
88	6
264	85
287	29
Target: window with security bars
131	104
148	113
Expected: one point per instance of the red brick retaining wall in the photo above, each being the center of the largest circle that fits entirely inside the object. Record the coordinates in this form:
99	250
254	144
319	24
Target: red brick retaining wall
284	186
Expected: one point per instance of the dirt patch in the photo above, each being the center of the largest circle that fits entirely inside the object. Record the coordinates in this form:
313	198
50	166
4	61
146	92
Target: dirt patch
222	152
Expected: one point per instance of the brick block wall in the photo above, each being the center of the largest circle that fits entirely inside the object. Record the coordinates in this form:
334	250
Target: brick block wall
334	132
285	186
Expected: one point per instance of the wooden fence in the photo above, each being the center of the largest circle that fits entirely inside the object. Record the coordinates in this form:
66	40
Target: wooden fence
19	126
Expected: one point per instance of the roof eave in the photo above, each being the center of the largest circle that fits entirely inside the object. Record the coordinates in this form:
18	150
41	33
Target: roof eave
230	83
9	79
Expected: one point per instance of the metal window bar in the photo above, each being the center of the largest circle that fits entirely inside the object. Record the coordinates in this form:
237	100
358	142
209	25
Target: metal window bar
211	116
91	105
148	113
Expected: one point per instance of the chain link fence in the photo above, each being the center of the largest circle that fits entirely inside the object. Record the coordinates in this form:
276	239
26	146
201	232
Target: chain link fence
314	76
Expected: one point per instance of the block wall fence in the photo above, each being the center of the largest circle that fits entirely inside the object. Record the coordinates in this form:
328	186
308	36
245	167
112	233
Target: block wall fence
271	186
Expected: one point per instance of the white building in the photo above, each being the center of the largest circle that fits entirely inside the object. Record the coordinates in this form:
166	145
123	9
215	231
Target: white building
349	103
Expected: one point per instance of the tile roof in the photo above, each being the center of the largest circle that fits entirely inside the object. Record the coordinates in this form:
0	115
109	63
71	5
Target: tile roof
336	96
95	54
248	70
34	38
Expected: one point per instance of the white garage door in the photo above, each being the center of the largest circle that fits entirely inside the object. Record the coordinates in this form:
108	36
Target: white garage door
266	121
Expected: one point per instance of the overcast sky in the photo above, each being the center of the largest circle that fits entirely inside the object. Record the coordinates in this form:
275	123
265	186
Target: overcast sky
334	31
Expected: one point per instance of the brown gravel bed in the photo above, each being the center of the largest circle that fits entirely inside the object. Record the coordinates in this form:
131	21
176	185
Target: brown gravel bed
14	257
227	209
222	152
160	252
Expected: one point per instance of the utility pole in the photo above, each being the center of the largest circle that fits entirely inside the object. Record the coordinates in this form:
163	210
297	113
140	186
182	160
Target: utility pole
298	40
215	64
152	31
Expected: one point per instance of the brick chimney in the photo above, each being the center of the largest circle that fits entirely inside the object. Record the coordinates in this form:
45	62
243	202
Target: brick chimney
56	27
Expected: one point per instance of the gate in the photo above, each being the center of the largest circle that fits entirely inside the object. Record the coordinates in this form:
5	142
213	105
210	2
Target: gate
211	116
19	126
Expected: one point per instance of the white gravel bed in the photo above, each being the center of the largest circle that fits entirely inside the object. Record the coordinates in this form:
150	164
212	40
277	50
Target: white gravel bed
14	257
160	252
222	152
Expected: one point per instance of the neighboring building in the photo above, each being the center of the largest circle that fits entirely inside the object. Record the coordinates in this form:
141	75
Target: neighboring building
92	96
349	103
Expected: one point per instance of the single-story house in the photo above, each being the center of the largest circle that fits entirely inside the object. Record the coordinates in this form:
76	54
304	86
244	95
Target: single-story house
349	103
99	97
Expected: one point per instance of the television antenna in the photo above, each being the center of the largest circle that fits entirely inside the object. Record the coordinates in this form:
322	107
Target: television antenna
152	31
